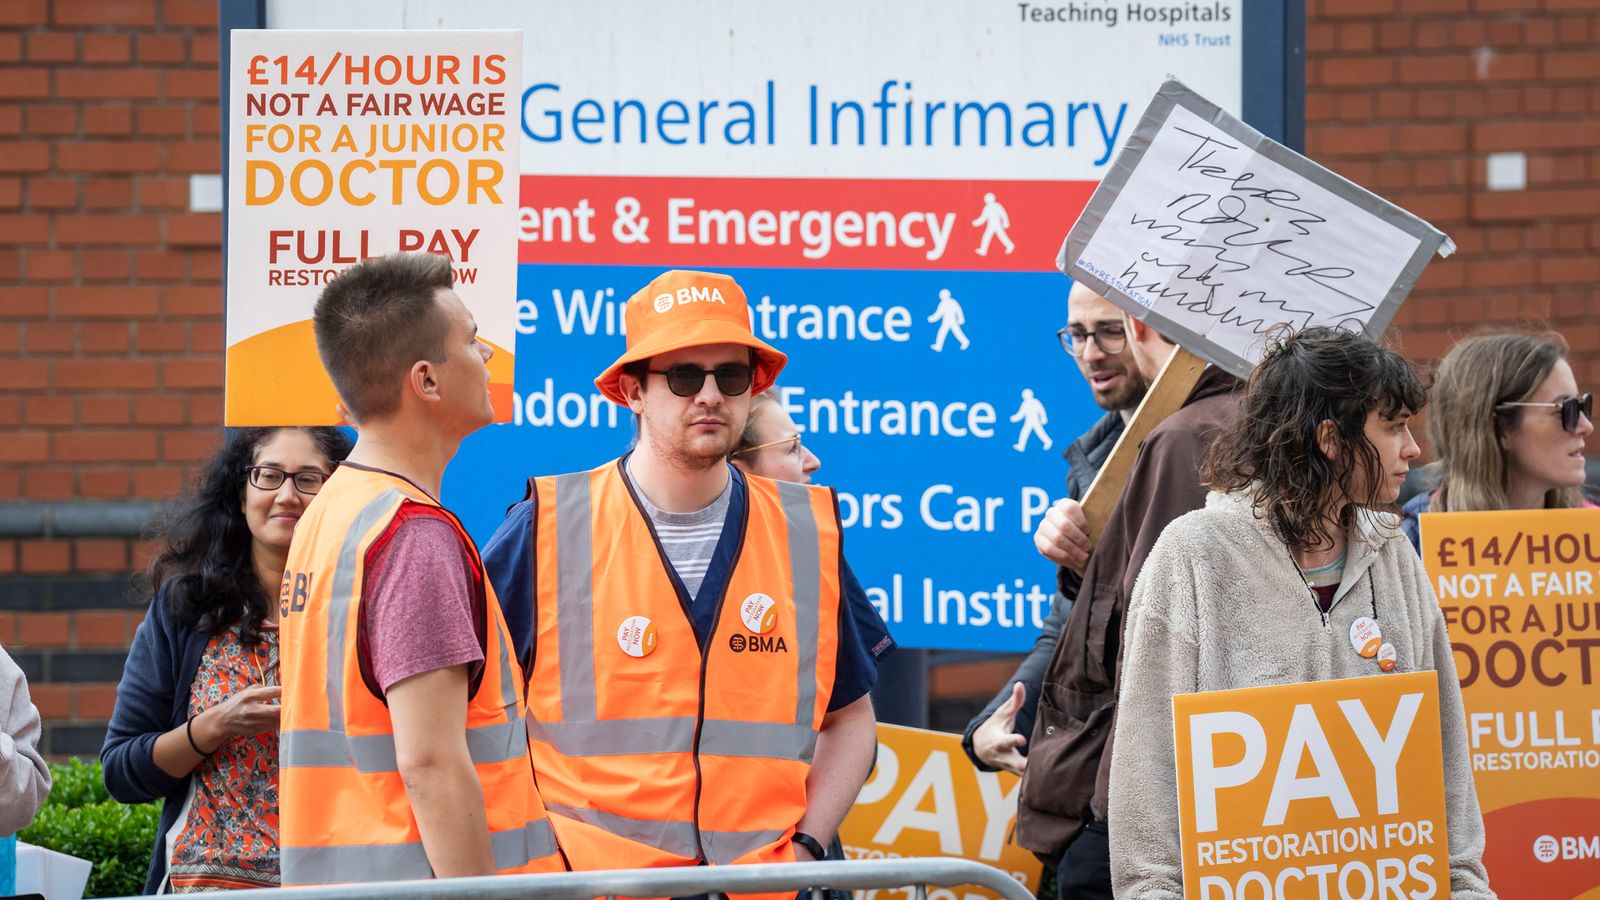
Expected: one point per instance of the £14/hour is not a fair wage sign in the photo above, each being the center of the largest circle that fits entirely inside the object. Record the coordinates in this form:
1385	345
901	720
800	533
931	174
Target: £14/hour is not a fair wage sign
1520	591
350	144
1321	790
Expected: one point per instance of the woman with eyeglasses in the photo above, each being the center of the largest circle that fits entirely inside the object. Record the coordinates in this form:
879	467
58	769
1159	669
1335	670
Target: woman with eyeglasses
196	719
770	445
1508	427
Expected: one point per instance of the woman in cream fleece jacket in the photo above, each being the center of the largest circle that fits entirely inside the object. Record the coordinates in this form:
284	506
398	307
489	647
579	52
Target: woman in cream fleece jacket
1249	591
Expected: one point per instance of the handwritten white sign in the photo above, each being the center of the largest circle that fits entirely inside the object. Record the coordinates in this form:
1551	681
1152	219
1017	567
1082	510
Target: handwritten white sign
1216	235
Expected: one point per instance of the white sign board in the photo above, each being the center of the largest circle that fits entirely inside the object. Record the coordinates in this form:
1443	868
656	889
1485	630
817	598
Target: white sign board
1216	235
350	144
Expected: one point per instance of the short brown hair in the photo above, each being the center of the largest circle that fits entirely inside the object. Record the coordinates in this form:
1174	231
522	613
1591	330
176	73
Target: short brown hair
375	320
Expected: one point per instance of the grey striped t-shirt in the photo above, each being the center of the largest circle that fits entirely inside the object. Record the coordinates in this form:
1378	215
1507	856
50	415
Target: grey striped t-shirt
690	538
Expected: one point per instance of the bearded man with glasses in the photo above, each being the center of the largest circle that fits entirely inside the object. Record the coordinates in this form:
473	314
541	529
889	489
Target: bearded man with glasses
1097	340
699	675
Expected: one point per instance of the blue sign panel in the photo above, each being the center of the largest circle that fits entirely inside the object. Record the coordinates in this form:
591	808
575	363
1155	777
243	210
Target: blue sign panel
890	184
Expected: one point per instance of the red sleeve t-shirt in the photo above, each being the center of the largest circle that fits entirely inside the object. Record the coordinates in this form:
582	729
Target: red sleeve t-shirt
422	606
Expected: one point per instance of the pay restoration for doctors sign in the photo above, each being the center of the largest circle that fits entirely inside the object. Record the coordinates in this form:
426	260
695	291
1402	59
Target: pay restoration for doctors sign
889	183
1321	790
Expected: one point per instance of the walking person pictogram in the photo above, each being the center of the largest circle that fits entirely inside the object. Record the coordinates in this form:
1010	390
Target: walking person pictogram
1032	416
995	221
950	318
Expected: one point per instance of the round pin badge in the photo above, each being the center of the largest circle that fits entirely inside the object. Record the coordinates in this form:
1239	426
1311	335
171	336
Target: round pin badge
636	636
1386	660
1365	636
759	612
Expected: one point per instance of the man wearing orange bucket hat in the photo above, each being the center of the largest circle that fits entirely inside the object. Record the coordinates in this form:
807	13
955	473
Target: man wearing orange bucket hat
699	668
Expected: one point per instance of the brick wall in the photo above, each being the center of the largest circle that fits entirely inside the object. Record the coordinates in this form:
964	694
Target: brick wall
110	325
110	333
1408	97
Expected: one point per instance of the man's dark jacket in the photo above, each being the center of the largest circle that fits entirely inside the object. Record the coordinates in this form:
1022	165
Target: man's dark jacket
1084	456
1069	763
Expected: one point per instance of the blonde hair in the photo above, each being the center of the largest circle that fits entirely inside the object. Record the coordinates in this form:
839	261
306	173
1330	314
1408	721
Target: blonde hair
747	440
1477	375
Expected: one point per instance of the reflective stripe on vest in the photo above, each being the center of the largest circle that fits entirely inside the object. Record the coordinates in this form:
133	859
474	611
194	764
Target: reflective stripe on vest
409	862
677	838
579	733
376	752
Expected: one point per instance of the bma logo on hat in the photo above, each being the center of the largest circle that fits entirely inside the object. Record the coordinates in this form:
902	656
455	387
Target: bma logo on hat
692	294
1546	848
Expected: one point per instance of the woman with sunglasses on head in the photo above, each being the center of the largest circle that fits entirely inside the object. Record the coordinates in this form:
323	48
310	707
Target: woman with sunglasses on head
196	718
1508	426
1292	572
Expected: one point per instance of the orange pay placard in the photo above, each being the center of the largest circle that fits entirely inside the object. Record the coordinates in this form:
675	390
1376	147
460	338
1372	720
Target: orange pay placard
925	798
1518	591
1318	791
349	144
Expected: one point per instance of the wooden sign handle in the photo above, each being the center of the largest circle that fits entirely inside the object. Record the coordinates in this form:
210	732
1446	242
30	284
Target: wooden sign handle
1165	397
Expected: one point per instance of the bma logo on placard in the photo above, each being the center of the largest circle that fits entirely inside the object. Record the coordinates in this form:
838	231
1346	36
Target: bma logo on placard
664	302
1548	848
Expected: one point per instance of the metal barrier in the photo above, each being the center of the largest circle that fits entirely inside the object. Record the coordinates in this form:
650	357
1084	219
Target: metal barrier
917	873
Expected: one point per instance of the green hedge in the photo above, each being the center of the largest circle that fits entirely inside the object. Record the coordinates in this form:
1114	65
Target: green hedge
82	820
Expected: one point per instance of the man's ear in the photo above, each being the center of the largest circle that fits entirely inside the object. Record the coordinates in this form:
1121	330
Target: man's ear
423	381
632	391
1328	438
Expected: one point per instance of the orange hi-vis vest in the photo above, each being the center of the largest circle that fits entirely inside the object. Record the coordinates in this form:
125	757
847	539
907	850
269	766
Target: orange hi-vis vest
649	751
344	815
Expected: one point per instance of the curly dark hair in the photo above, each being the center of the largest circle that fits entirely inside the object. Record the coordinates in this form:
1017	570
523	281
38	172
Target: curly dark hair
1317	375
203	567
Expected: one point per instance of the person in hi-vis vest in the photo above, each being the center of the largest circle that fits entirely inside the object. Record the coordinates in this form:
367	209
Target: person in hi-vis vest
403	752
699	667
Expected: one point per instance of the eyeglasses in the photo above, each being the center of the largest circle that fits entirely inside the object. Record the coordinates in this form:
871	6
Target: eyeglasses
270	478
1111	339
793	438
1570	408
733	379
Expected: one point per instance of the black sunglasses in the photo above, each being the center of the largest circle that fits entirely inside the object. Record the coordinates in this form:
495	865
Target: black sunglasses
1571	408
733	379
270	478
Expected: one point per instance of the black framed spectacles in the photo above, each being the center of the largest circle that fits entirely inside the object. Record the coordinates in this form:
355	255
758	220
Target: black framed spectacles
1570	408
270	478
733	379
1111	339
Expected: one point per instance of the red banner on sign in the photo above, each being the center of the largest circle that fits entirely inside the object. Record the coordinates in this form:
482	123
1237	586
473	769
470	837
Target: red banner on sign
797	223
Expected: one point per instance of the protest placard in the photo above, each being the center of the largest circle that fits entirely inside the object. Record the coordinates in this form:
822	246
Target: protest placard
1318	790
349	144
1216	235
925	798
1519	595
